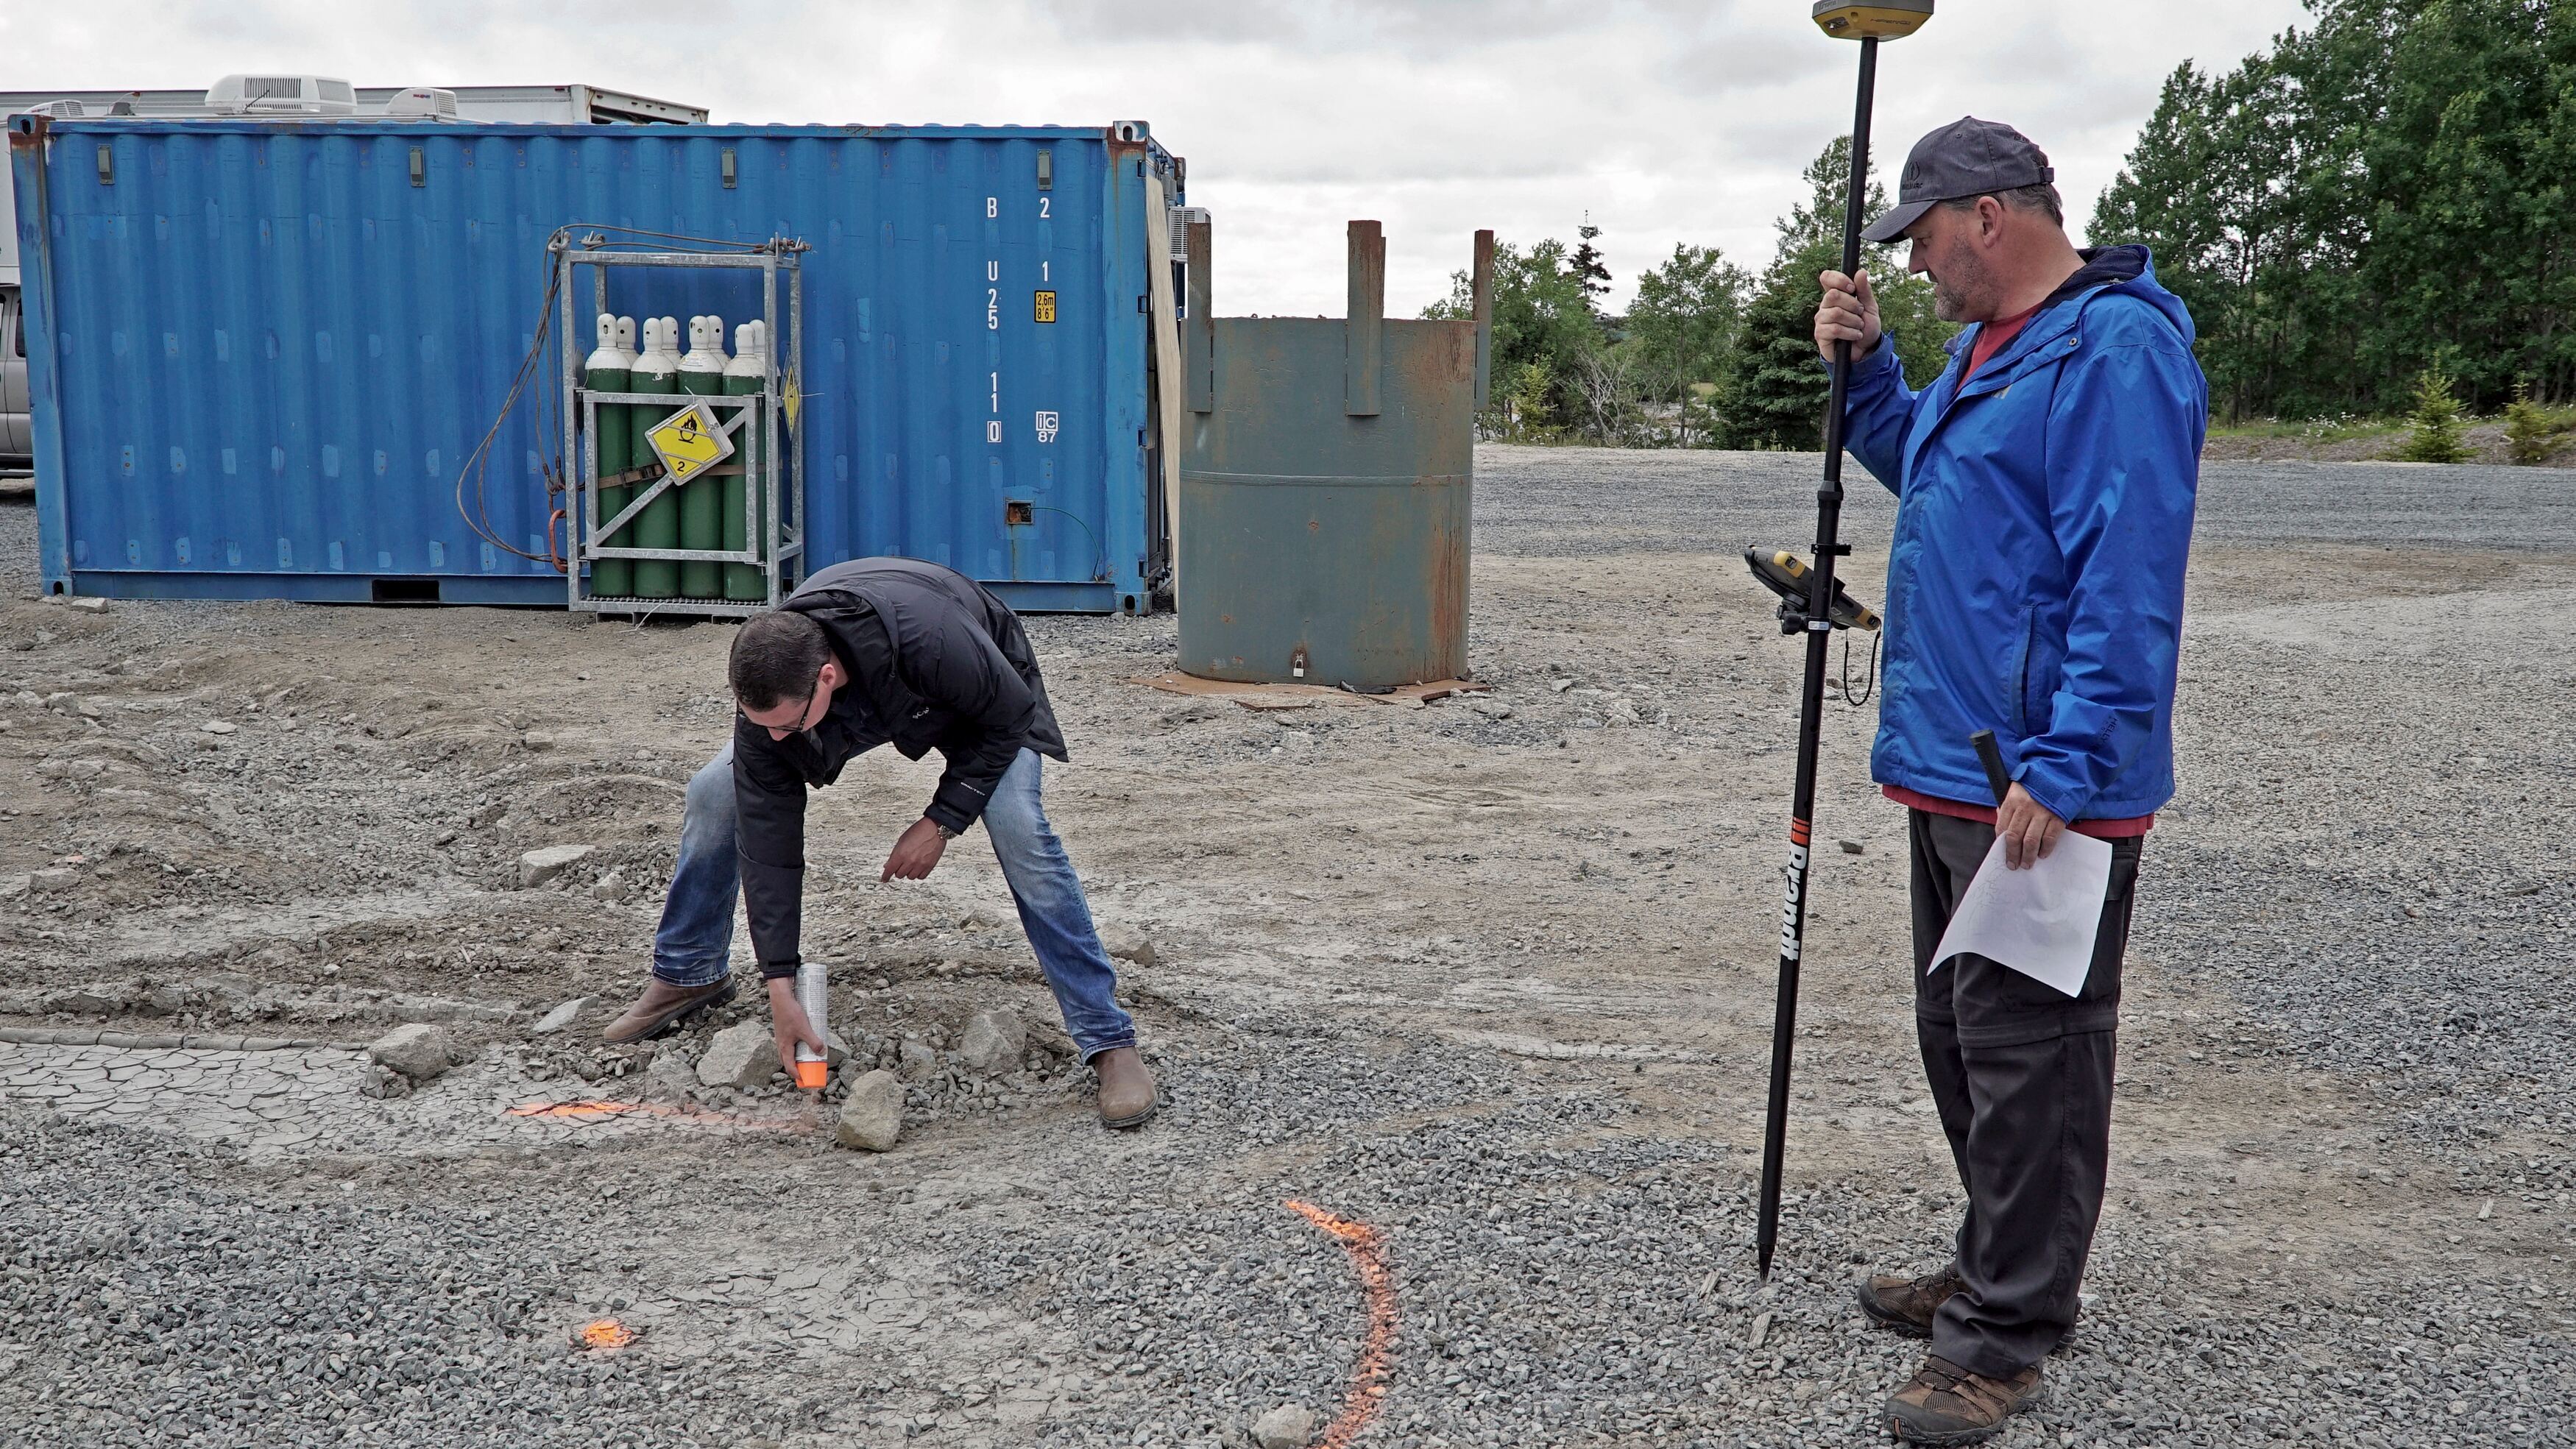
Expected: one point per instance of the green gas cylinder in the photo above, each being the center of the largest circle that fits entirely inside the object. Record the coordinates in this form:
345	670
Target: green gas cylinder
608	370
658	526
702	499
744	377
638	452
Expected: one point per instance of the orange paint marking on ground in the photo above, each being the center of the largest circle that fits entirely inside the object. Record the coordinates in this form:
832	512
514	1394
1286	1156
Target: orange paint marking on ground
576	1111
1367	1249
606	1335
600	1109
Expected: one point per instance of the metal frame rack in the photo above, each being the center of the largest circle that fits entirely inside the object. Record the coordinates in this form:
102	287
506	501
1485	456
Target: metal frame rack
774	501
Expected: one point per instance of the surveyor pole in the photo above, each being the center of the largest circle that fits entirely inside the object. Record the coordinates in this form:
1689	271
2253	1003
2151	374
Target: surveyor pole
1867	23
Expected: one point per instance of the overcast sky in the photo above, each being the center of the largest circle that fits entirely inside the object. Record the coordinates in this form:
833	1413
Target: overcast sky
1665	120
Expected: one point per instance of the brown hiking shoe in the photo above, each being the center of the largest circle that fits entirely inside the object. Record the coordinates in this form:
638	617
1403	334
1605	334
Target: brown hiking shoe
1126	1088
663	1008
1946	1404
1906	1305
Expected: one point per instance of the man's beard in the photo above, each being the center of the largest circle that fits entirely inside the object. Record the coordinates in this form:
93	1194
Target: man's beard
1960	286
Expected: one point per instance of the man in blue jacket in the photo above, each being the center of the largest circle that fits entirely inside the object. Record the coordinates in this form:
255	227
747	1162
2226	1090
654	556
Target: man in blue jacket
2045	483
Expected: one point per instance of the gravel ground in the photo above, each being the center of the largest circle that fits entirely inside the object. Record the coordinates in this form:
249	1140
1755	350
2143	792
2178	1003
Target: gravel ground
1493	978
1574	1275
297	1312
1694	502
18	543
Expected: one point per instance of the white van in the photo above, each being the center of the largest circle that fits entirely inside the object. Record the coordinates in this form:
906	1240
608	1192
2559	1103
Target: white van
17	435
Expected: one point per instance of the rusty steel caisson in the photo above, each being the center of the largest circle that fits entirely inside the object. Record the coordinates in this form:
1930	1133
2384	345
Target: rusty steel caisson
1325	505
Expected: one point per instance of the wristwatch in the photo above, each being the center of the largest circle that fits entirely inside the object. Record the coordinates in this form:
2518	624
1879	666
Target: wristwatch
944	832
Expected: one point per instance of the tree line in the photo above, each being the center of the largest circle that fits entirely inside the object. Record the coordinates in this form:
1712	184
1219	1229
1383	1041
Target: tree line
2373	200
2373	210
1707	355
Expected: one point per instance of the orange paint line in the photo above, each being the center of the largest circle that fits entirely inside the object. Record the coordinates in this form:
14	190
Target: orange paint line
601	1108
576	1111
1366	1247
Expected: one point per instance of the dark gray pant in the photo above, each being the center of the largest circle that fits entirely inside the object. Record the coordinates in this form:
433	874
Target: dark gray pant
2022	1076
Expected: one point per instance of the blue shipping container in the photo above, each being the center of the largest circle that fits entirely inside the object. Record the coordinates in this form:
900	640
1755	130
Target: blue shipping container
261	351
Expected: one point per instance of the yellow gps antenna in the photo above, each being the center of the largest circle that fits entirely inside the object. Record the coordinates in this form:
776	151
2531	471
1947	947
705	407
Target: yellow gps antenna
1886	20
1868	23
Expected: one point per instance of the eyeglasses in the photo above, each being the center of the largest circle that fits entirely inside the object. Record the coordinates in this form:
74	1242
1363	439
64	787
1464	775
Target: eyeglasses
807	716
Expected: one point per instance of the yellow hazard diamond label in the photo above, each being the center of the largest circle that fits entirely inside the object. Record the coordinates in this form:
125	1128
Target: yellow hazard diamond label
792	397
689	442
1046	306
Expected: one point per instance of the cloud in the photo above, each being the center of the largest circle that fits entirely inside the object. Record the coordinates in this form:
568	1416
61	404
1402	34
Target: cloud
1665	121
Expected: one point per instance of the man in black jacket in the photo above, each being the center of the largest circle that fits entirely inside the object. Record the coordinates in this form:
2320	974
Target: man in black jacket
870	652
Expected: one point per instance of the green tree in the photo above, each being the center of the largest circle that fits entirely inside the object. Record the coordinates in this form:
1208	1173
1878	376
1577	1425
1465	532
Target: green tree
2529	435
2366	195
1541	320
1544	319
1586	264
1681	328
1775	387
2436	433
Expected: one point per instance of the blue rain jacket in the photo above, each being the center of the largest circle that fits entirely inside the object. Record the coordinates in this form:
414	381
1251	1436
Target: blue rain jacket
2034	587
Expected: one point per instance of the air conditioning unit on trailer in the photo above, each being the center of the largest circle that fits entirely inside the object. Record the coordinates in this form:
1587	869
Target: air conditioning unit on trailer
282	95
1182	216
421	103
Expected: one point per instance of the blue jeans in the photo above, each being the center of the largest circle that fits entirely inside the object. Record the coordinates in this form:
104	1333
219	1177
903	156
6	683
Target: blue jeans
695	943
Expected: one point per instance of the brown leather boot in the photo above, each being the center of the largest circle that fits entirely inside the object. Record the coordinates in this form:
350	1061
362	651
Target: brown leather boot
1946	1404
664	1007
1906	1305
1126	1088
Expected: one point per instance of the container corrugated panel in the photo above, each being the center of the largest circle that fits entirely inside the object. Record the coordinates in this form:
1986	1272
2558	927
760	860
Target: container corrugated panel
261	354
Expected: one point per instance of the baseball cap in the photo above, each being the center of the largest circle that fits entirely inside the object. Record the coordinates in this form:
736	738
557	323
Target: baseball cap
1967	157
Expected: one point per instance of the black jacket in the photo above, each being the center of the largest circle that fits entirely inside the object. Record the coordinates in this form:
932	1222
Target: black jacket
935	663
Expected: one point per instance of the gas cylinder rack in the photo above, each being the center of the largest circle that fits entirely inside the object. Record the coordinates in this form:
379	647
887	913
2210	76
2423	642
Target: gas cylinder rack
613	512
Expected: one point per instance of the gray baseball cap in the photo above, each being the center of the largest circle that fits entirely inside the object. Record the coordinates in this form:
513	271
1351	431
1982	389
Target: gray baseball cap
1967	157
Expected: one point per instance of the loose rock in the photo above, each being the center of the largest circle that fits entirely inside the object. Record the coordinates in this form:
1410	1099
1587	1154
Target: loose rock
542	865
872	1117
915	1060
1128	943
384	1082
418	1051
1287	1427
993	1041
670	1078
561	1017
742	1055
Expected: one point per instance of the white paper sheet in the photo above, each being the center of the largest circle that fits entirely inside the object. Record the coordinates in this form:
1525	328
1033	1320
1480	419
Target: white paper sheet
2040	921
